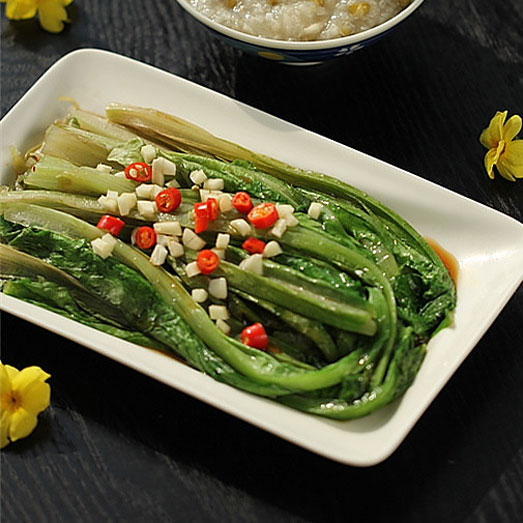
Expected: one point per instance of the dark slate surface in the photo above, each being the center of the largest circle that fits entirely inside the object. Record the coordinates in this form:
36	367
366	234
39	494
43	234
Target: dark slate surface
118	446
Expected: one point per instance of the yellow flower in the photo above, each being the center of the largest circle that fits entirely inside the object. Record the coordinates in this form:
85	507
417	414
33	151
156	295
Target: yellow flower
51	13
23	395
505	151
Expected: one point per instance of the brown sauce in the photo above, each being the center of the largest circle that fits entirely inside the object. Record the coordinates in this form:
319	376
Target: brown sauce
448	259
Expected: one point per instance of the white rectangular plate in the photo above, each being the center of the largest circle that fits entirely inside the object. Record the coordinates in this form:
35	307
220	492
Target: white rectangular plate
487	244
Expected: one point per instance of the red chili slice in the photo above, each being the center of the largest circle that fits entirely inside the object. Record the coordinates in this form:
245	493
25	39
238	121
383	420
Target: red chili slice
201	224
242	202
263	215
255	336
201	220
168	200
139	172
213	209
201	210
207	261
254	245
145	237
111	224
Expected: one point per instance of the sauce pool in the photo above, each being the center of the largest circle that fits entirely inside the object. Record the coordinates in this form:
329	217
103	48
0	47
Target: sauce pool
448	259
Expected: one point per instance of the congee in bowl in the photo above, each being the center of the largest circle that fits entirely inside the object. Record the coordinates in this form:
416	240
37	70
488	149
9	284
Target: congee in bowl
300	20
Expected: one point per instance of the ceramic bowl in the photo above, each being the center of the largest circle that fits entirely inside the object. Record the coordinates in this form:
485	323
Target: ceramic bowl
300	53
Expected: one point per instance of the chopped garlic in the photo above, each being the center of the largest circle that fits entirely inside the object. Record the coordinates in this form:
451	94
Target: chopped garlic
291	220
133	235
158	255
279	228
218	312
198	177
222	240
112	194
104	246
225	202
315	209
103	168
109	239
223	326
205	194
101	248
173	183
253	263
219	252
284	209
126	201
241	226
214	184
143	190
272	249
199	295
158	177
171	227
175	248
163	239
156	190
192	240
149	191
148	153
164	166
218	288
108	204
192	269
147	209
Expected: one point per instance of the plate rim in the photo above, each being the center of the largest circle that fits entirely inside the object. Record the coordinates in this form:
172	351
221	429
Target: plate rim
17	307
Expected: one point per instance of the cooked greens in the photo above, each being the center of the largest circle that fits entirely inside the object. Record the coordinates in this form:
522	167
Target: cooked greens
348	293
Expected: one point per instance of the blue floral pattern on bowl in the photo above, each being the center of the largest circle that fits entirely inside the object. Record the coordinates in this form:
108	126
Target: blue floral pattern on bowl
292	56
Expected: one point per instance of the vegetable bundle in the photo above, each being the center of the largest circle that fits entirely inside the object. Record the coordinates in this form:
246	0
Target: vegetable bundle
278	281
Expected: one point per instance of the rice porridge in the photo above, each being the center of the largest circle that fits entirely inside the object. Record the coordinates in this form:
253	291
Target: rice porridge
300	19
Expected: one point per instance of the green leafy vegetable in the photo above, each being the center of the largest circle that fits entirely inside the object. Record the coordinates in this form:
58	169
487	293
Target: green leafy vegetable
349	305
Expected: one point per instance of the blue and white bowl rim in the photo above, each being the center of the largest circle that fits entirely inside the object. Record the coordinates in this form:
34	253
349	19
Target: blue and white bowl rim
270	43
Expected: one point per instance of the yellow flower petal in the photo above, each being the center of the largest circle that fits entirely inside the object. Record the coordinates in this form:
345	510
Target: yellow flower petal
5	422
491	159
34	393
27	376
5	381
21	9
36	397
11	371
52	15
491	136
24	395
22	424
514	150
510	163
511	128
505	173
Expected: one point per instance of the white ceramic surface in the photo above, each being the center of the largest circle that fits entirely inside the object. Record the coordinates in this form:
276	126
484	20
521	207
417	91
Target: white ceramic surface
487	244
